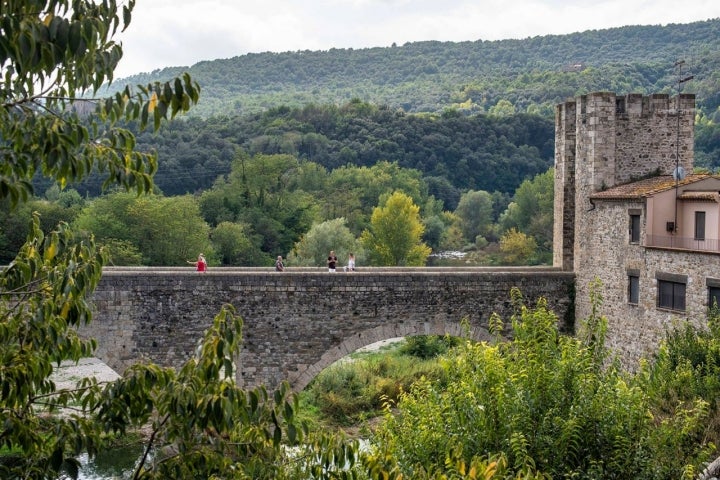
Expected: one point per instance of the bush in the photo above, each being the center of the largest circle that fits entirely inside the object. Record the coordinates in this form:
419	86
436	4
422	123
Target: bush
349	391
547	403
428	346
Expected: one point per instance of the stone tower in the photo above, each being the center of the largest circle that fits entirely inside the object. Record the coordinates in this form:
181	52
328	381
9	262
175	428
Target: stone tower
603	140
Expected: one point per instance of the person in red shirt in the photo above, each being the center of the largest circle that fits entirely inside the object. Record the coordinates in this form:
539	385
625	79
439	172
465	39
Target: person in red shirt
201	263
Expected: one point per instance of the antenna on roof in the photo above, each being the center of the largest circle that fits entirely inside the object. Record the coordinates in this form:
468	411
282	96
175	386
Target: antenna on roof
679	172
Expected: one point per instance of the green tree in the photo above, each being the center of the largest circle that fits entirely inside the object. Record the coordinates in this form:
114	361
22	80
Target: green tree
169	230
121	252
352	191
233	245
262	192
395	234
503	108
313	248
49	51
531	210
165	230
475	213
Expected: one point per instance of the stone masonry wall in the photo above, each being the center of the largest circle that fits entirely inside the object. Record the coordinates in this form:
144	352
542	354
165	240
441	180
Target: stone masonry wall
635	331
618	140
647	136
297	323
564	184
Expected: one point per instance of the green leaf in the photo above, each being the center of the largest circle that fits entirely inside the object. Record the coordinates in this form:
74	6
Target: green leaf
292	433
277	436
56	459
75	39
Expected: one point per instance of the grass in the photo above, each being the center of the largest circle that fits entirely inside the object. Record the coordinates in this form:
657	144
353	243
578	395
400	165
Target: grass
357	389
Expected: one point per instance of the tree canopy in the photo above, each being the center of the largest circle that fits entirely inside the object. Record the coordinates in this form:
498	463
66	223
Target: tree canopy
529	74
395	233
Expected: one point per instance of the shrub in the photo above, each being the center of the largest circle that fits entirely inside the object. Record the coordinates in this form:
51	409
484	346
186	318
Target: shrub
428	346
547	403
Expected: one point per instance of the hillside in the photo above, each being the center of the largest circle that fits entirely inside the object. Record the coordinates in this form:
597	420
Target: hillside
468	116
532	74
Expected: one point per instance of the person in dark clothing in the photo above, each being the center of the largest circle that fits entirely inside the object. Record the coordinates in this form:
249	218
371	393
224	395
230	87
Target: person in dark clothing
331	261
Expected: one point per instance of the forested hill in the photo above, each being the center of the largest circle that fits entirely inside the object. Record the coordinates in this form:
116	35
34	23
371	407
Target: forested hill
453	152
470	115
532	74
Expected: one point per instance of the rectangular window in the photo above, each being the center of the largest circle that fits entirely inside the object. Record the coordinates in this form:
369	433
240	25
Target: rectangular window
633	289
671	295
699	225
634	228
713	297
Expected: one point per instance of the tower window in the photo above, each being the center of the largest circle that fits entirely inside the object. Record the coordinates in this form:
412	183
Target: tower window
699	225
633	289
634	228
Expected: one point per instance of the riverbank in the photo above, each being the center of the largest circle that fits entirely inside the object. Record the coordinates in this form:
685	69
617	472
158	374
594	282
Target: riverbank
69	372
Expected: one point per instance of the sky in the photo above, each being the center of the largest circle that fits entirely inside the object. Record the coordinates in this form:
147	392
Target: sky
166	33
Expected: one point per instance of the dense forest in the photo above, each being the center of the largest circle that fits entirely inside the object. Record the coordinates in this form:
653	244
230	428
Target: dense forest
455	153
532	74
468	115
466	130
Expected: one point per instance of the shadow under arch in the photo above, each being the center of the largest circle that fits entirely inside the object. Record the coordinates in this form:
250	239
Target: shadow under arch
303	376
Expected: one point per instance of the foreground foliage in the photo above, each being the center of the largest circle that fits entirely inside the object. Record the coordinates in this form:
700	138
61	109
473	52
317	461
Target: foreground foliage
547	405
200	421
51	53
202	424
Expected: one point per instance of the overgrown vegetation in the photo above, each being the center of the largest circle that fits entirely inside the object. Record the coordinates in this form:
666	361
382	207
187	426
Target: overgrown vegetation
351	391
546	405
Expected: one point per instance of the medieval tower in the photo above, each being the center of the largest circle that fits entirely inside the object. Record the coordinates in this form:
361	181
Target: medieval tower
608	150
603	140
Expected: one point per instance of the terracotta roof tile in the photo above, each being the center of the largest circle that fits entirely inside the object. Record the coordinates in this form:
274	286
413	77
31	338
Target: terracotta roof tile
646	187
701	196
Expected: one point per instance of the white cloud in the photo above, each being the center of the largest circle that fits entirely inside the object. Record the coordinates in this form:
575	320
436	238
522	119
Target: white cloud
184	32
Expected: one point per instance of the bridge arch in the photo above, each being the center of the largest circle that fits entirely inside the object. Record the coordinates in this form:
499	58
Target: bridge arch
378	334
298	321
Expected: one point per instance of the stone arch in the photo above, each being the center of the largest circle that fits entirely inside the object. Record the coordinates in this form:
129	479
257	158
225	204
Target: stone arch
348	345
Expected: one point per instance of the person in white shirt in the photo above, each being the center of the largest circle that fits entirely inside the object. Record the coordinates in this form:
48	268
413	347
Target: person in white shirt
351	263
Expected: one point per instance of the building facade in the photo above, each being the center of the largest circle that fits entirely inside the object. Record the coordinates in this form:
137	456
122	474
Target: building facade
627	214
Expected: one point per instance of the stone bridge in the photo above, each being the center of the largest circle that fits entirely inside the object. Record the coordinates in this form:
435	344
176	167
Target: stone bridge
300	321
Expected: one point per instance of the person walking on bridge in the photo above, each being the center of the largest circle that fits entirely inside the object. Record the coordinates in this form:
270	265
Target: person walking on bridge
201	264
350	267
332	261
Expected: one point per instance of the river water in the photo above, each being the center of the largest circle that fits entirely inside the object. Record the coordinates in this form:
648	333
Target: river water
118	463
